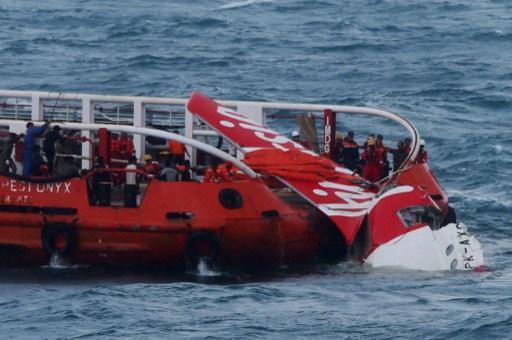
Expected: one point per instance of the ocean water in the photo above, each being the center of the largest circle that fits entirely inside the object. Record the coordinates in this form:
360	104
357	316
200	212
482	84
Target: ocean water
443	64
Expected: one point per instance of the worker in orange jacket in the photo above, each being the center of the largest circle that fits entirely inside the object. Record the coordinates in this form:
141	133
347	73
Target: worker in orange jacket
177	150
373	162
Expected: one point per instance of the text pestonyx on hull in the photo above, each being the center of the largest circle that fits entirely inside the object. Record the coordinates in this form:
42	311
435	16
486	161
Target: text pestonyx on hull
276	203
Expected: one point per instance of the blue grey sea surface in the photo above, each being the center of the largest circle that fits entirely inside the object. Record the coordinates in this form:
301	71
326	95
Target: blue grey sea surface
446	65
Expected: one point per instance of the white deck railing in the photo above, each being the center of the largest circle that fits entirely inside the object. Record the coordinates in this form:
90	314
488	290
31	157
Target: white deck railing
89	109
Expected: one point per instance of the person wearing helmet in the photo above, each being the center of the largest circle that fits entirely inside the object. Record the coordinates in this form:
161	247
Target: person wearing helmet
296	138
373	161
151	167
422	156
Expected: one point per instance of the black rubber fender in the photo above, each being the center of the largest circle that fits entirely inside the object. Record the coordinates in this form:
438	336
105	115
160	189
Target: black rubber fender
203	239
51	231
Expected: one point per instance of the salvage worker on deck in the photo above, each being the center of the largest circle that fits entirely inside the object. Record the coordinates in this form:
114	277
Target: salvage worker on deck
184	171
399	155
407	143
350	152
168	172
36	161
101	183
372	162
210	174
338	147
7	164
131	188
225	171
63	148
177	150
67	167
152	168
383	150
296	138
49	145
30	135
422	156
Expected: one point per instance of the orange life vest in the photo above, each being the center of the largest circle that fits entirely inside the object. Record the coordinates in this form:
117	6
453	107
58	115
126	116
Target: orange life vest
176	148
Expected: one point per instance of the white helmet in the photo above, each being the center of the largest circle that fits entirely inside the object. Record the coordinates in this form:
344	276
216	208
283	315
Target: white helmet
295	134
422	142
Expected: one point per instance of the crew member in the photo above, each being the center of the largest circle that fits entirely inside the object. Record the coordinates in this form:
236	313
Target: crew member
30	135
383	151
168	172
131	186
151	167
350	152
184	171
49	145
210	174
407	143
177	150
101	183
338	147
422	156
372	162
225	172
399	155
296	138
7	164
63	149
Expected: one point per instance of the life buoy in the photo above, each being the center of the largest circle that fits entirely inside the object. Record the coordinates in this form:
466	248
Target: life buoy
59	239
203	245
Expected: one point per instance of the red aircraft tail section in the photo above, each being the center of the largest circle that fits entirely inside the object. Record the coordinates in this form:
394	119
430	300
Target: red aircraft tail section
319	180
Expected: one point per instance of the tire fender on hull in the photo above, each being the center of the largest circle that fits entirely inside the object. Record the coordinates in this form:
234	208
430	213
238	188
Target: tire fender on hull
59	238
202	245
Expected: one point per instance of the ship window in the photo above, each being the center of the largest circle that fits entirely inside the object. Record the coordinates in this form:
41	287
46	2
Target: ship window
413	215
230	199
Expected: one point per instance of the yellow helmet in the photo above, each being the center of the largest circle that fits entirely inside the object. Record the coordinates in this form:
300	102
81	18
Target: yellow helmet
147	157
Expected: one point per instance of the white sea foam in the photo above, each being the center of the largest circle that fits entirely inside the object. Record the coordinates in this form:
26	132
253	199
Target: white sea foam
203	269
499	198
238	4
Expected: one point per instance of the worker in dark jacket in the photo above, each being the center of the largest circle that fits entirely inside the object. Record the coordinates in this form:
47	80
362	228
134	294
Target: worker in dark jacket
399	155
422	156
350	152
49	145
7	164
30	140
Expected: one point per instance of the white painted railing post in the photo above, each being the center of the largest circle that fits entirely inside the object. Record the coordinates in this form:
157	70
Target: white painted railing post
37	108
87	118
189	133
139	120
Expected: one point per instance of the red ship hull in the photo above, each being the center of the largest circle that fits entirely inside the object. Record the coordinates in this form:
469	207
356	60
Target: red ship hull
239	225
